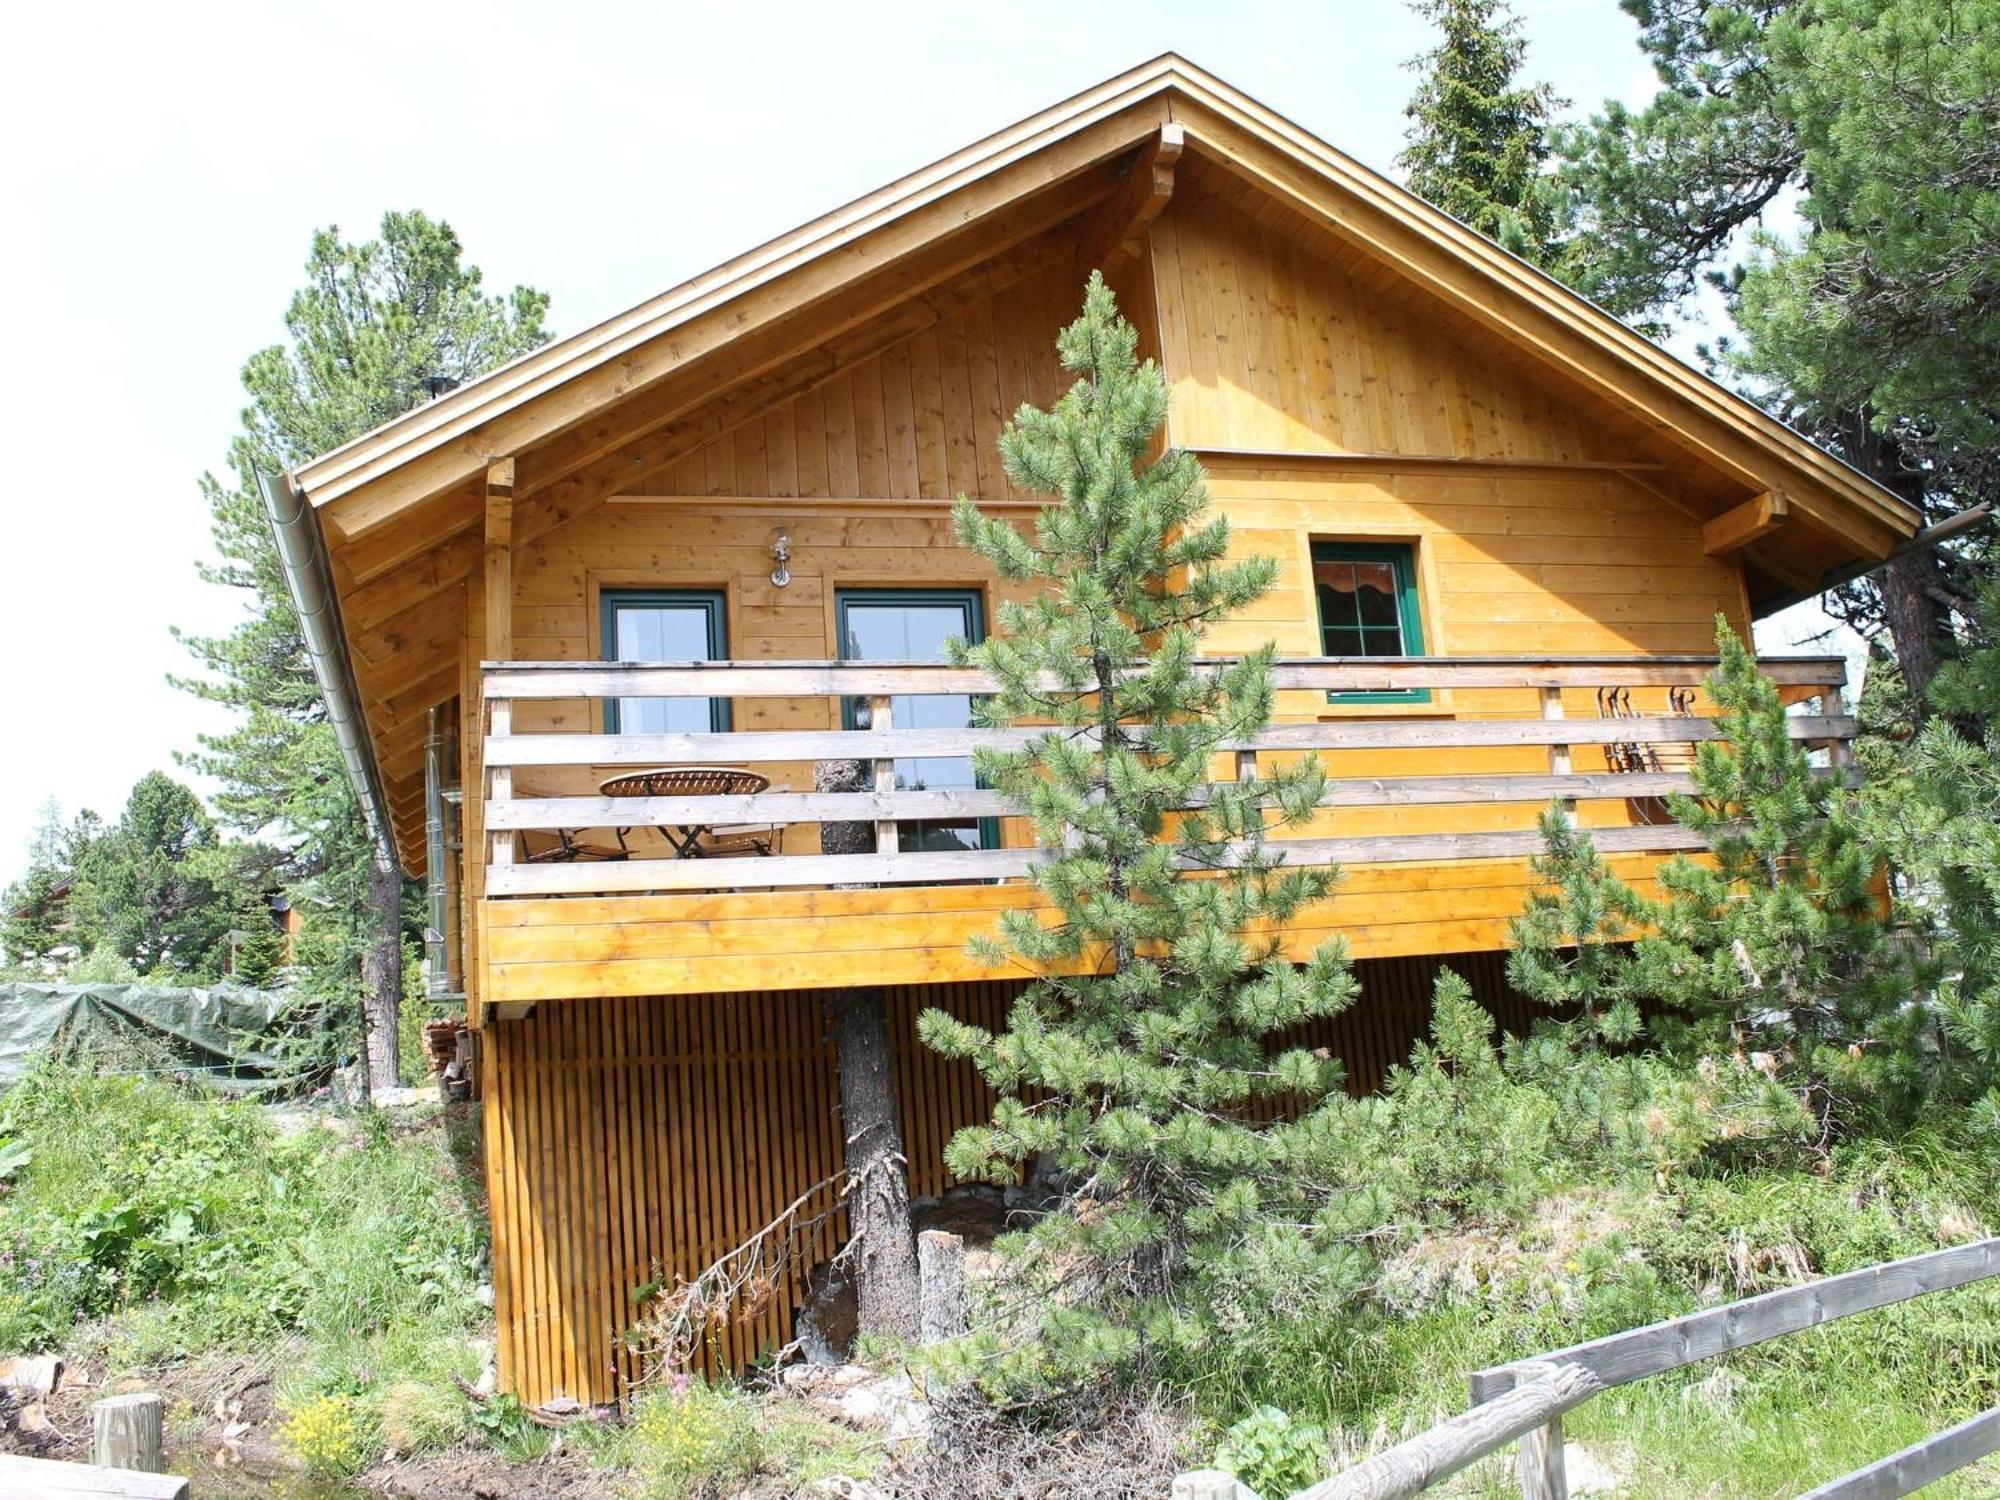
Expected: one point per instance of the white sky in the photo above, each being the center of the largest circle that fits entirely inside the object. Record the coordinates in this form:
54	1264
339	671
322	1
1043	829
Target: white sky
164	166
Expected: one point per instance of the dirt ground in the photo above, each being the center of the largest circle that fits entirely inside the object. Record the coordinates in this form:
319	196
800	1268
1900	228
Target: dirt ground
221	1429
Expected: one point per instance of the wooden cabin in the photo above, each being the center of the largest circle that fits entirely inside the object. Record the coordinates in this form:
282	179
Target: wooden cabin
712	532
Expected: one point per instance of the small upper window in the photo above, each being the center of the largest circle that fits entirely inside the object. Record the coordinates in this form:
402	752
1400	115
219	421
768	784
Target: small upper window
1367	597
665	625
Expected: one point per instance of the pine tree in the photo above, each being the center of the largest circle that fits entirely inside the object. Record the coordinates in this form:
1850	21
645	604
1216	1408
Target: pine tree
149	888
1479	138
34	910
1774	947
374	330
1135	1065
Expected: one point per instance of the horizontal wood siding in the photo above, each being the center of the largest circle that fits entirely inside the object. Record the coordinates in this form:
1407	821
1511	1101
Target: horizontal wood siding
636	1140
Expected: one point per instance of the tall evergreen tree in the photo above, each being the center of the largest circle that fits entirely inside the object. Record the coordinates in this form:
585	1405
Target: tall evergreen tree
1479	137
151	888
1874	326
35	922
1138	1064
1775	945
370	335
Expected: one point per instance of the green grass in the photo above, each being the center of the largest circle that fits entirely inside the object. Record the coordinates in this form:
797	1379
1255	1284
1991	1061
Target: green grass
161	1226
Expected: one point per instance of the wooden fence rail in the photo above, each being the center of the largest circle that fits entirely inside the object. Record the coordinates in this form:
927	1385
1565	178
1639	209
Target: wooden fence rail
1647	754
1524	1401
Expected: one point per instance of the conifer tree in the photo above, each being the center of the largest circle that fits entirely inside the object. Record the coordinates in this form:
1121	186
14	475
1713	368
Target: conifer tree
1479	138
1134	1064
376	329
1774	946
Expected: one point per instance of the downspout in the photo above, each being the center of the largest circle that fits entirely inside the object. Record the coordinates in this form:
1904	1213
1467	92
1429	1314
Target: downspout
309	579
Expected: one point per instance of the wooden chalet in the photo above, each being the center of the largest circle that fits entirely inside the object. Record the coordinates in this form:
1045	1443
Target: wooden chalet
713	532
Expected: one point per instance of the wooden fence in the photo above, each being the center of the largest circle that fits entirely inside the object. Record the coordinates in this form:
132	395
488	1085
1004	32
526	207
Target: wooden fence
1496	705
1524	1401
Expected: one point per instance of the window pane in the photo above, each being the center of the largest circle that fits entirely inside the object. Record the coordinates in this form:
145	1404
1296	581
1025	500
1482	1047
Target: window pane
1335	582
1383	642
1342	642
664	630
916	629
1375	593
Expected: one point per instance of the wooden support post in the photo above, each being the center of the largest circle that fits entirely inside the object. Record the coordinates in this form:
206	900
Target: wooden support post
500	560
1542	1471
881	716
941	1273
1560	762
1118	232
500	781
129	1432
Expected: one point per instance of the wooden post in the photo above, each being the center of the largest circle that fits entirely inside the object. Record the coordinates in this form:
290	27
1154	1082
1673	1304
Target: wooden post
1211	1484
941	1270
1560	763
1543	1474
500	781
129	1432
500	560
882	715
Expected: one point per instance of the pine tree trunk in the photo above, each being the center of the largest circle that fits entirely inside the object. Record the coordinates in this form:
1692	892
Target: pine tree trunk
1918	624
382	975
888	1293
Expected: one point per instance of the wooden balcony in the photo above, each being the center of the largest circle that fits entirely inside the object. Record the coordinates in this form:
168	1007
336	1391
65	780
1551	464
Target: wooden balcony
1431	811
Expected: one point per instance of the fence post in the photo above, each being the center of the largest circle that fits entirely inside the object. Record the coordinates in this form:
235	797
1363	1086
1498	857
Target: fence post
129	1432
1543	1474
1211	1484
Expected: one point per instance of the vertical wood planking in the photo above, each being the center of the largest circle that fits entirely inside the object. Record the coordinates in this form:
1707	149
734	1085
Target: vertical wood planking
628	1139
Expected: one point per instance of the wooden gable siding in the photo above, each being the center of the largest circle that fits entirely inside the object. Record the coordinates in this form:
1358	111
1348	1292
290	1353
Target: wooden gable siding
920	420
636	1140
1272	345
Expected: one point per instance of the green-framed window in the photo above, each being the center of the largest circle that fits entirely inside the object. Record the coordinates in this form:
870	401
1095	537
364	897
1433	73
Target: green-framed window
664	625
913	625
1366	593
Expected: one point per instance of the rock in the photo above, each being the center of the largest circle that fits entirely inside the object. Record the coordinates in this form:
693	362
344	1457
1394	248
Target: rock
830	1319
862	1398
1590	1474
408	1098
31	1374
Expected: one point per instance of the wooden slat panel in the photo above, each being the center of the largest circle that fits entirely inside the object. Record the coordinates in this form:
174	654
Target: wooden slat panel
658	1133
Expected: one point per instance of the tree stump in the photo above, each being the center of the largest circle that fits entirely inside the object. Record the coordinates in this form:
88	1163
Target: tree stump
129	1432
941	1268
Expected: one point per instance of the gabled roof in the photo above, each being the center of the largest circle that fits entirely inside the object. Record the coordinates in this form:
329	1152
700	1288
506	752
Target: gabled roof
595	414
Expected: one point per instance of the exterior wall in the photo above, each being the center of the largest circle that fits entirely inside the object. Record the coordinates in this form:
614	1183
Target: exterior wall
636	1140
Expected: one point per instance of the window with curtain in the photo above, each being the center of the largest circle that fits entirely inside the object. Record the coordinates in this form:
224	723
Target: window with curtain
664	625
1367	598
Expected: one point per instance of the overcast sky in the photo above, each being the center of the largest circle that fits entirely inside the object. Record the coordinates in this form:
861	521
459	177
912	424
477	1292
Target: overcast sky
165	165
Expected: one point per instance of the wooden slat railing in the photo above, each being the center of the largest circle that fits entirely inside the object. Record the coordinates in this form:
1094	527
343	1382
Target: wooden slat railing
1465	687
1524	1401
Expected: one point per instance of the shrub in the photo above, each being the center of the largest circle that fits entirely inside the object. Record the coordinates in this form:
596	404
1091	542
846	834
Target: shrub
695	1441
330	1435
1272	1454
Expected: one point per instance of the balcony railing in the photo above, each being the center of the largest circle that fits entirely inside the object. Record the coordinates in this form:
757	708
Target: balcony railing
1589	731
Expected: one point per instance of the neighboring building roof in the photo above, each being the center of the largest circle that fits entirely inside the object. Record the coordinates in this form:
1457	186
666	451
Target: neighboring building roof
588	416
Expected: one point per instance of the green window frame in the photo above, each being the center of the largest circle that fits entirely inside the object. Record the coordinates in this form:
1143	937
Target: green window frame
1345	620
973	605
713	606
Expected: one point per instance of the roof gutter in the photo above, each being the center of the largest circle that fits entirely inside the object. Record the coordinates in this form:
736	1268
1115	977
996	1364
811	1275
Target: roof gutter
309	578
1931	536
